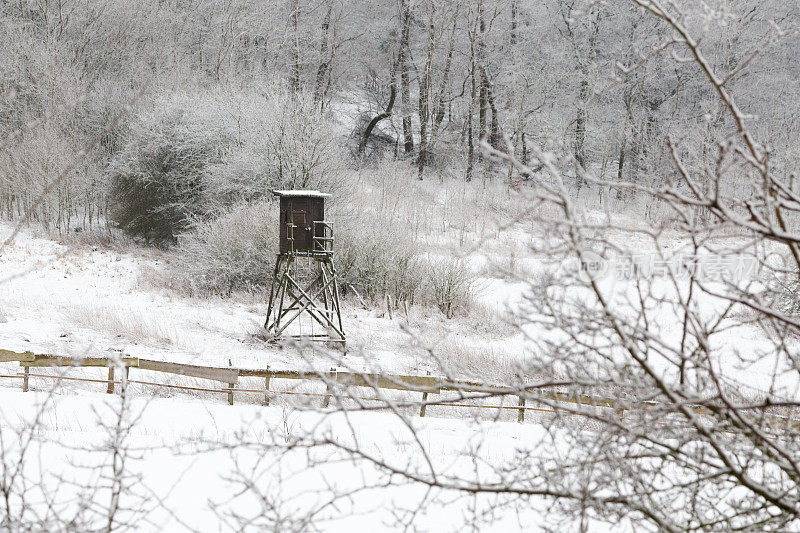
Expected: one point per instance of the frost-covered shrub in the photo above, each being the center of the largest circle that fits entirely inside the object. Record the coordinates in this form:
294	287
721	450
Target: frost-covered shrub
376	258
377	264
157	178
451	283
234	252
282	142
194	154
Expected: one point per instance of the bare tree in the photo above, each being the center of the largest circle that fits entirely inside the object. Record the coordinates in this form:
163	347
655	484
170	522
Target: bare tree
96	490
403	61
670	431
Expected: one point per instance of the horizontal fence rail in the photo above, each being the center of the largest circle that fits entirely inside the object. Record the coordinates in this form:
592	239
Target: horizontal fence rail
333	379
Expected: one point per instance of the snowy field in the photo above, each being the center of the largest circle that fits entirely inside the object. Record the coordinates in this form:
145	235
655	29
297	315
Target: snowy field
182	460
84	300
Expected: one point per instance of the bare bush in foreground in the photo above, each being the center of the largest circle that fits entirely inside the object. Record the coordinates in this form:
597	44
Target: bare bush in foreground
685	426
55	483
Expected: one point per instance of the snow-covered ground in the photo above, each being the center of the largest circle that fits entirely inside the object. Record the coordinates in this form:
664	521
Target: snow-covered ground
85	300
180	456
81	300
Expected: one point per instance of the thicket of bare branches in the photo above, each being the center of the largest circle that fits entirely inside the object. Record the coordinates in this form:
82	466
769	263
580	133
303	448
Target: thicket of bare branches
691	442
52	482
694	440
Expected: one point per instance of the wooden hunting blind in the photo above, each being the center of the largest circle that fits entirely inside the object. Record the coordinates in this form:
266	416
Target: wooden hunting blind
299	211
305	246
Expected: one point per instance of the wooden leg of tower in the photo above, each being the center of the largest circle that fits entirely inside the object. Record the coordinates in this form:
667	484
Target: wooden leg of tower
324	278
296	294
279	311
336	308
281	274
272	289
332	289
307	306
320	300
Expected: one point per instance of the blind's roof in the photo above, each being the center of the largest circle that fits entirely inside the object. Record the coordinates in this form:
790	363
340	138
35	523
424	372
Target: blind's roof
302	192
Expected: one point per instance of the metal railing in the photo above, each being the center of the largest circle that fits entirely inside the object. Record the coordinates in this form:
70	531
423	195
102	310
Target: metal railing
323	244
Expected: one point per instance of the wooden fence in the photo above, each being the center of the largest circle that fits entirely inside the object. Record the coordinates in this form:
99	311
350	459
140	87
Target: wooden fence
425	385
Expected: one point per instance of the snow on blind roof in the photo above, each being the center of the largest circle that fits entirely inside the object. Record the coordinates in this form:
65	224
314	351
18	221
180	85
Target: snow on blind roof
301	192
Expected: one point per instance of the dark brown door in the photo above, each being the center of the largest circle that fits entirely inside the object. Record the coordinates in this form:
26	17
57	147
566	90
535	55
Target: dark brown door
301	218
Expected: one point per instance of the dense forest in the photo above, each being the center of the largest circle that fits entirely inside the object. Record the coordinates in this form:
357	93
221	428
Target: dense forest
185	94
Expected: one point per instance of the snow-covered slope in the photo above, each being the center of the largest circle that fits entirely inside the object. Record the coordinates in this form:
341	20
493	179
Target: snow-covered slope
81	300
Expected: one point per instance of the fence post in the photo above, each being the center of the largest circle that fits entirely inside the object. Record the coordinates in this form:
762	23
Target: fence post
110	389
329	388
230	393
266	388
424	399
26	378
521	415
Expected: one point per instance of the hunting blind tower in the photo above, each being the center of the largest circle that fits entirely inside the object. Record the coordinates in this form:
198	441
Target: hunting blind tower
305	249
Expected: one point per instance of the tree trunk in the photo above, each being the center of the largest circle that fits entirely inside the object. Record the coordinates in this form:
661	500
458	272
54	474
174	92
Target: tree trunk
374	122
494	131
621	163
483	99
424	102
324	62
405	91
513	35
524	149
580	126
471	110
440	107
294	79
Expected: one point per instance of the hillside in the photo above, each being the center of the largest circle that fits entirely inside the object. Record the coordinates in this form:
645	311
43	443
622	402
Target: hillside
561	237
